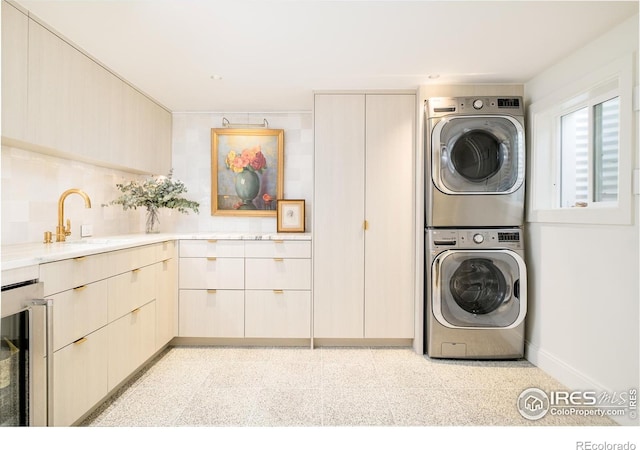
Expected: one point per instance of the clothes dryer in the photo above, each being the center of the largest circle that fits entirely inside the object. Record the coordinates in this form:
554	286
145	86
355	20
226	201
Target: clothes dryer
475	161
475	293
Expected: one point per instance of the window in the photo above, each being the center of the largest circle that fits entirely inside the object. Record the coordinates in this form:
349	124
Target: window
580	148
589	154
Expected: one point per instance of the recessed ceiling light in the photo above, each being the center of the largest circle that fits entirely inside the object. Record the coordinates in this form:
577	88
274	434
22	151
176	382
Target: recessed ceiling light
216	77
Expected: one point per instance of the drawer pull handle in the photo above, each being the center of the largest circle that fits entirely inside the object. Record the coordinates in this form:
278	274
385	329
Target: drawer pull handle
279	241
135	311
80	258
278	259
80	288
211	258
278	291
80	341
135	271
212	241
211	291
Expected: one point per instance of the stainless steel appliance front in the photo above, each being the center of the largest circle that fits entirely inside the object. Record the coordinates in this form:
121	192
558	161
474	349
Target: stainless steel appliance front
23	355
475	302
475	161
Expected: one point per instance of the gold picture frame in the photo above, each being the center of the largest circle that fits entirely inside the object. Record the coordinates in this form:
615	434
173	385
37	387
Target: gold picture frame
247	171
290	216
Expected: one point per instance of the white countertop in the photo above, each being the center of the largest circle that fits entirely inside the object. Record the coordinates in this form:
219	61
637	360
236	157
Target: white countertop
24	258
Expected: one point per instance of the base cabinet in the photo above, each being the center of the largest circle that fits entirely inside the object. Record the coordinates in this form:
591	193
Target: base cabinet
245	289
211	313
80	377
131	342
106	317
278	314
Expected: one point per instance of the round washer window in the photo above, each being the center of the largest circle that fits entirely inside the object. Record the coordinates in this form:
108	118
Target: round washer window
476	155
478	286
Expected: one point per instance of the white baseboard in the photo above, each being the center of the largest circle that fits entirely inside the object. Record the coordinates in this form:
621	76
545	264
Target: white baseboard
569	376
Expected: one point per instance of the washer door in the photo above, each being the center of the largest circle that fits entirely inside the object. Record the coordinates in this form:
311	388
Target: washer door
478	155
479	288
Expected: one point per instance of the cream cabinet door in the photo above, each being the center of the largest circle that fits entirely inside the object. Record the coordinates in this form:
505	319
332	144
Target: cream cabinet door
389	204
338	231
131	342
78	312
131	290
15	43
277	249
211	313
277	273
211	273
166	301
79	109
71	273
364	179
278	314
79	377
203	248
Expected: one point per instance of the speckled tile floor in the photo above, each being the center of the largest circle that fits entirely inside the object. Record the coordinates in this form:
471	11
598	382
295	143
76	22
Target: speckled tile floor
223	386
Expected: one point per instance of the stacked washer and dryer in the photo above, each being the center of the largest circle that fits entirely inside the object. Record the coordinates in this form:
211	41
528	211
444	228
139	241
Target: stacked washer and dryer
475	274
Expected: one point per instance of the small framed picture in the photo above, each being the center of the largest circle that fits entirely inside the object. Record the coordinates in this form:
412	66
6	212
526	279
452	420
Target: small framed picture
290	216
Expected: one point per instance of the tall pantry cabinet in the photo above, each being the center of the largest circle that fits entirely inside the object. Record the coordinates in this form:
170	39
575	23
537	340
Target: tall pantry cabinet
363	231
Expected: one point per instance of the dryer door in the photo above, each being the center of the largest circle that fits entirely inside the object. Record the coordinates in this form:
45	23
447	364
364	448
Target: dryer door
478	155
479	289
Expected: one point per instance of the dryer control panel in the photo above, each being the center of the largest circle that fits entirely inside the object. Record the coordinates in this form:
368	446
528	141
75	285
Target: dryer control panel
442	106
439	239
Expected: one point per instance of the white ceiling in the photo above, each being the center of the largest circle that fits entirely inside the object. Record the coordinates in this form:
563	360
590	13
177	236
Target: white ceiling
272	54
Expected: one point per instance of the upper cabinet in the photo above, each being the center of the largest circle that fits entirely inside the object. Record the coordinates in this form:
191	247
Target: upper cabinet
15	41
69	105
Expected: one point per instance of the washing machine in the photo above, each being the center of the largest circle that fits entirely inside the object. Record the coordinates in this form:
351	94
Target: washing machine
475	293
475	161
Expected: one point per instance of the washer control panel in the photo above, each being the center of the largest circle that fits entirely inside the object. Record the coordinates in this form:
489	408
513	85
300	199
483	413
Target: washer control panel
475	238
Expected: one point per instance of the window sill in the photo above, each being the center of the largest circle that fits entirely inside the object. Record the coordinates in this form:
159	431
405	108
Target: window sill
593	215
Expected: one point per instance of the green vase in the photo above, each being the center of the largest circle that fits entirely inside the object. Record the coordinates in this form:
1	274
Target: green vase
247	188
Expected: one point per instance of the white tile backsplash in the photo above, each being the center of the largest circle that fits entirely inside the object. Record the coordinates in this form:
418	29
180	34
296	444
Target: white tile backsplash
33	182
192	165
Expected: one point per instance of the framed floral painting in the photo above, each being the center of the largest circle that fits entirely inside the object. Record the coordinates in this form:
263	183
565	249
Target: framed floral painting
247	171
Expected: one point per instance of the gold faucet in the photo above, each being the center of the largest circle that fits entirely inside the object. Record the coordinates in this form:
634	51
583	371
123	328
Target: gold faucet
63	231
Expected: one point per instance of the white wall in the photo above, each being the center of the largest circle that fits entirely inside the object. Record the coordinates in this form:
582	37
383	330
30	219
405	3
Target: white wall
582	325
192	165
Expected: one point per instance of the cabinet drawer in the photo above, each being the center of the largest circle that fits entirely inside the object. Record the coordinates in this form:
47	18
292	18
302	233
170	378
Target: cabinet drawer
202	248
211	273
217	313
70	273
131	290
131	342
165	250
278	273
133	258
277	249
80	374
79	312
270	314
